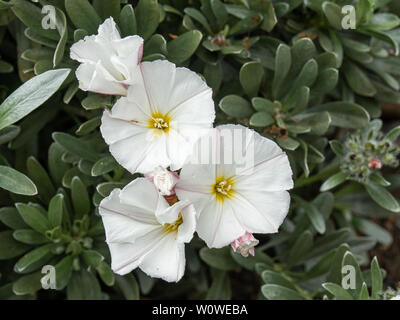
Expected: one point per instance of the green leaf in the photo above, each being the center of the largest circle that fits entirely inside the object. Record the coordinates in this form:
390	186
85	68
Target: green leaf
236	106
55	212
41	179
384	21
63	272
10	217
220	288
9	133
128	21
106	274
103	166
250	261
57	167
346	114
376	279
393	134
382	197
261	119
16	182
31	95
88	126
337	148
302	245
83	285
29	236
297	100
333	13
107	8
326	81
337	291
318	122
364	295
147	15
328	242
272	277
105	188
316	218
283	61
83	15
335	271
28	284
334	181
62	28
75	146
92	258
261	104
218	258
358	80
199	17
183	47
32	17
349	260
307	76
128	286
9	247
80	197
250	76
276	292
33	217
32	257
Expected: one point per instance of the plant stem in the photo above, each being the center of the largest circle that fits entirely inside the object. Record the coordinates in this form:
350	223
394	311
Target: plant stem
317	177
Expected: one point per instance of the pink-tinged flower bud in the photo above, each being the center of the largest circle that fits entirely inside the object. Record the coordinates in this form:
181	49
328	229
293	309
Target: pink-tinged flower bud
245	244
164	180
375	164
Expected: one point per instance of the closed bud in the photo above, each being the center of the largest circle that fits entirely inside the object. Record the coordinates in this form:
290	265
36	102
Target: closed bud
245	244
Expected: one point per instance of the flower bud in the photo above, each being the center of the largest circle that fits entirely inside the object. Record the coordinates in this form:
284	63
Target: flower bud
164	180
245	244
375	164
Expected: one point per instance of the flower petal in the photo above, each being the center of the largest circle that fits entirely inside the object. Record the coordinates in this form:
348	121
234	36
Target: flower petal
125	130
93	77
217	224
273	174
188	227
158	79
261	212
141	194
108	31
127	256
122	222
166	261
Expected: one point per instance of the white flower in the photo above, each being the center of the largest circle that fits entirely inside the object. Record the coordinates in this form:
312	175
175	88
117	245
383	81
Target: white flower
164	180
143	231
245	244
160	119
396	298
108	63
231	200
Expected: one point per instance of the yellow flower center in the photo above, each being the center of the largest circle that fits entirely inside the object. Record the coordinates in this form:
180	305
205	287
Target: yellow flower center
223	188
173	227
159	122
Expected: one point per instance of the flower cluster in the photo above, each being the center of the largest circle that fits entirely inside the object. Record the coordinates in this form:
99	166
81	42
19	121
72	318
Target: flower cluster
367	151
162	124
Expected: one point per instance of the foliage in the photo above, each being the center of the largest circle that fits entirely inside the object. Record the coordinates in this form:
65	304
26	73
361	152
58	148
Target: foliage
285	68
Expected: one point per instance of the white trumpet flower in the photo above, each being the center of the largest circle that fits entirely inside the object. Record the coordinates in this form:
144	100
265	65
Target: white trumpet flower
160	119
143	231
231	200
108	63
